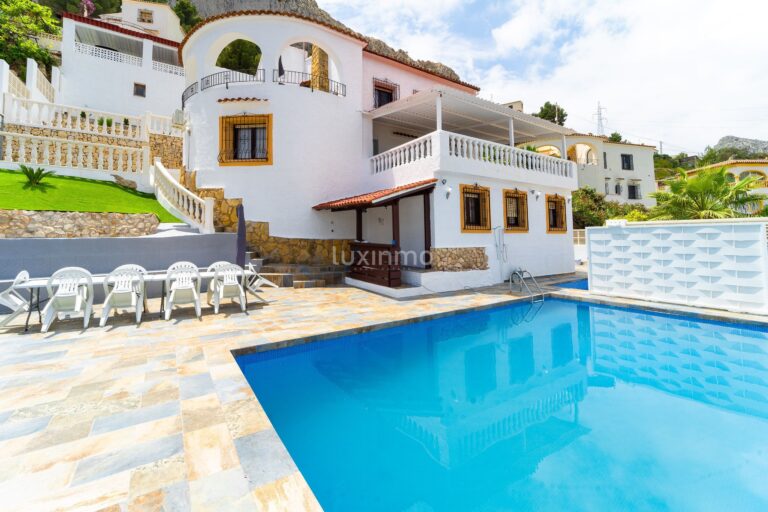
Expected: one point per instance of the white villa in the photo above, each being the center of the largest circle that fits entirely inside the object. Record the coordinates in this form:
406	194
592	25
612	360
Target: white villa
339	148
337	138
623	171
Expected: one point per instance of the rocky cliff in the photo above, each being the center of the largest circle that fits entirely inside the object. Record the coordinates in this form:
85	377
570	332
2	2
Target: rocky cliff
751	145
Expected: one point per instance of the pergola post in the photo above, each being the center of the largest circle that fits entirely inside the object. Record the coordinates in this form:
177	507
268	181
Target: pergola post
565	148
427	230
359	224
511	132
396	224
439	112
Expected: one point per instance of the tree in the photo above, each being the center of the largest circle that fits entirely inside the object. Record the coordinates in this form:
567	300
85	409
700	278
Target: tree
76	7
707	195
240	55
591	209
20	19
553	112
615	137
187	13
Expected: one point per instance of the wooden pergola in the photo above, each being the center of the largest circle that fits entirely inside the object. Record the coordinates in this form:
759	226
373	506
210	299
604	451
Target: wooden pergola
379	263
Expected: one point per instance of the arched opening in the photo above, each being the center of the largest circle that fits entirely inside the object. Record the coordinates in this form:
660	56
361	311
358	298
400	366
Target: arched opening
308	65
758	175
240	55
582	154
730	177
549	150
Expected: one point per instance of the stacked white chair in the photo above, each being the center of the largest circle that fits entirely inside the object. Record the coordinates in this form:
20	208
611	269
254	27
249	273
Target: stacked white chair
13	300
182	286
124	288
227	283
70	292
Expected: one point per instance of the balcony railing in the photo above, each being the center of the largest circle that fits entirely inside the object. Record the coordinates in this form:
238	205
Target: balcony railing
228	77
190	91
167	68
103	53
446	148
314	82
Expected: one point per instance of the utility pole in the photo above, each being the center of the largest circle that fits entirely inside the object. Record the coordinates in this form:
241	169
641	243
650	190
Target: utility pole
600	119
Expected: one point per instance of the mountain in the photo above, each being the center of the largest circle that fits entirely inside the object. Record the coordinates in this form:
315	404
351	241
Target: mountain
751	145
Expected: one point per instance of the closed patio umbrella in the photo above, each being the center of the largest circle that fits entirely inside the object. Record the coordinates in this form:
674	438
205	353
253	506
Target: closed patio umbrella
241	241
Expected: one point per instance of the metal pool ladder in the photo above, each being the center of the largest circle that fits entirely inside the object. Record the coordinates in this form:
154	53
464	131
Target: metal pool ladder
519	276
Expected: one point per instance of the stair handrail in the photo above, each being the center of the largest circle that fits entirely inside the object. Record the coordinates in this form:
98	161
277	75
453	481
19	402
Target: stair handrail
522	274
191	208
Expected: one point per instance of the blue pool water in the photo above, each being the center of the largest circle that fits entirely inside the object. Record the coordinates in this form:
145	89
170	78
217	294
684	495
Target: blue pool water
562	406
581	284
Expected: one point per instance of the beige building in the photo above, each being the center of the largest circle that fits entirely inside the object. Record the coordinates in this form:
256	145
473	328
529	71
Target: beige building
739	170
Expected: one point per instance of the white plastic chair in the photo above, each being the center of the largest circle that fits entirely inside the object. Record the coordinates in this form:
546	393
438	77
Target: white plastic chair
124	288
71	292
227	283
255	281
13	300
182	285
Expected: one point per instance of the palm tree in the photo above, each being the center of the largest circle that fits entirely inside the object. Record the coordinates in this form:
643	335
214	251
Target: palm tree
707	195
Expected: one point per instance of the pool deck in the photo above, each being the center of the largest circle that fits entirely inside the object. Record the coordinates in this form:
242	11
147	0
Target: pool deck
159	417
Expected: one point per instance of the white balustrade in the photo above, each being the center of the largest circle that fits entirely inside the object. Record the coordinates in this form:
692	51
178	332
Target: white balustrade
409	152
64	117
192	209
103	53
167	68
32	150
44	86
163	125
16	87
478	150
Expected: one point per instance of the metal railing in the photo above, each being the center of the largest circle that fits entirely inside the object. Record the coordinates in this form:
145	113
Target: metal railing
227	77
190	91
314	82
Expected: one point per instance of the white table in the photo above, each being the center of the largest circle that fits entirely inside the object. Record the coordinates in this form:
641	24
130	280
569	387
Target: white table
36	284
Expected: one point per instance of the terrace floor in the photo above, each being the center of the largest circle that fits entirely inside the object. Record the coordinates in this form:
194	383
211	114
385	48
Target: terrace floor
159	417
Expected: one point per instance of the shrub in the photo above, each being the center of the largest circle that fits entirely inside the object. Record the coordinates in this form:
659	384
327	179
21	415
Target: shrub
34	176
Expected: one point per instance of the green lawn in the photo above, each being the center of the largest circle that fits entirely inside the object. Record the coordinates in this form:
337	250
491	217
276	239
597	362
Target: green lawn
63	193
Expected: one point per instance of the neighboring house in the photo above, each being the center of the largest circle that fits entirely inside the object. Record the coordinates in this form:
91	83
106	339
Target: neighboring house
339	138
125	63
622	171
740	169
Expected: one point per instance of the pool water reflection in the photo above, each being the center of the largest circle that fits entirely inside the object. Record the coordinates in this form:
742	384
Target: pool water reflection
560	406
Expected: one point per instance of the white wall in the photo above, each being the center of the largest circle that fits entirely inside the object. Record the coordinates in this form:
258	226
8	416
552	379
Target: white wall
717	264
537	251
317	136
103	84
409	79
165	23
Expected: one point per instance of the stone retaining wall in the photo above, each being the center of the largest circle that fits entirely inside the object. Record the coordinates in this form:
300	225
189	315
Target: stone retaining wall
455	259
72	135
168	148
306	251
51	224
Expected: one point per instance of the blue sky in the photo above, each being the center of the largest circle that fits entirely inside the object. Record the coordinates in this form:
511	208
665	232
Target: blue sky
685	72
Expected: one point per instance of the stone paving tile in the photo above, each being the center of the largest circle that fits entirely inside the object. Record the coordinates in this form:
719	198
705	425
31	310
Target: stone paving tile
160	417
264	458
120	420
131	457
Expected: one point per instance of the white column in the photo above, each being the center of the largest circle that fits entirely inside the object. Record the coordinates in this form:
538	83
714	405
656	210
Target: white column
31	78
439	112
565	149
5	76
511	132
146	54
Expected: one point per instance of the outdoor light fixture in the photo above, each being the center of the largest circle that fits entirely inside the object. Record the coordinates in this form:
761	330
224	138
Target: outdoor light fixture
444	181
448	191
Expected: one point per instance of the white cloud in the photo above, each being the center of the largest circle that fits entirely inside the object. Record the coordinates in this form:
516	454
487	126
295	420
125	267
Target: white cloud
684	72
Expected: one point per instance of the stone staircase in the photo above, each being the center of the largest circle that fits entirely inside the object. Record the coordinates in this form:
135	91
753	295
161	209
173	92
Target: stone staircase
292	275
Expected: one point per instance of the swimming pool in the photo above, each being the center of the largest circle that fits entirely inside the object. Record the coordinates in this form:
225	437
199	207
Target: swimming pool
581	284
556	406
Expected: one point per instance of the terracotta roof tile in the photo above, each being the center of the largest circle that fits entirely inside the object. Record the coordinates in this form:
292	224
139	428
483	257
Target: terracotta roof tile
728	163
368	199
121	30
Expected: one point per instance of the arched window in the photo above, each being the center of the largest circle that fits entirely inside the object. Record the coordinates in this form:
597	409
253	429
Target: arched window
308	65
759	175
582	154
240	55
549	150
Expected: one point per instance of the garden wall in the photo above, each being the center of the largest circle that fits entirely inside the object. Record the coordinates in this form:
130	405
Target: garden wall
52	224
